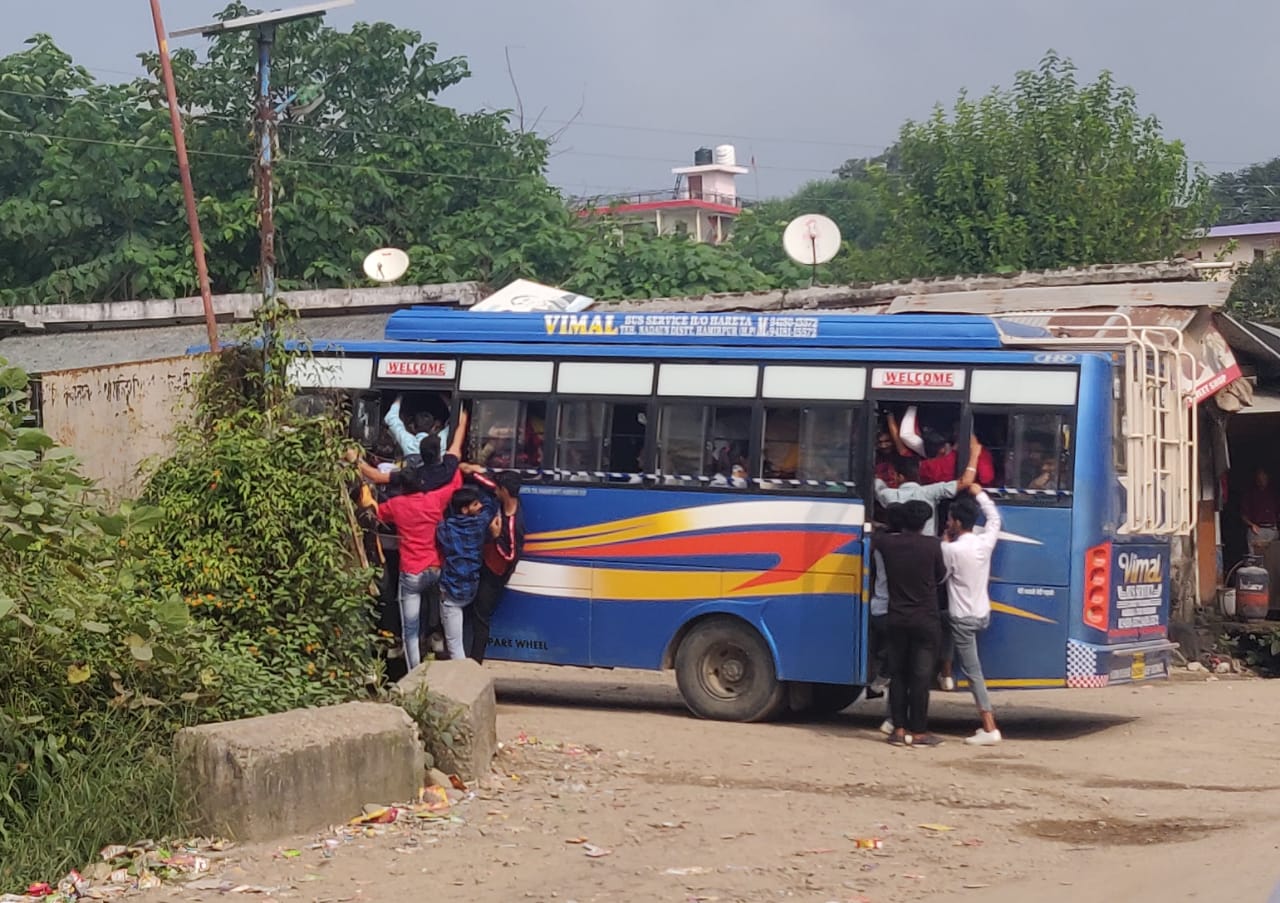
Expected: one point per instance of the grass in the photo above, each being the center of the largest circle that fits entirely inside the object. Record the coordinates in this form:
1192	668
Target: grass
125	791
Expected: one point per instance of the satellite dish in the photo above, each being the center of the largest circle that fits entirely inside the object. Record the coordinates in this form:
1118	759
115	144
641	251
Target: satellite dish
811	239
386	264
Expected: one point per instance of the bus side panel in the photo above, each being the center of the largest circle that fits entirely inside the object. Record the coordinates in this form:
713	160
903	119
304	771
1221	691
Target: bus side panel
1033	546
539	627
1029	575
647	562
1022	648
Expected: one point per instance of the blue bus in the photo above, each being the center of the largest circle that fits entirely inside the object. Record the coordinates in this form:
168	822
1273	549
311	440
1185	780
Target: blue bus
700	487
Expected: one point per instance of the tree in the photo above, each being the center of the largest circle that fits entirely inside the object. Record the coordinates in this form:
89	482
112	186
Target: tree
615	263
368	157
1256	292
853	203
1249	195
1049	174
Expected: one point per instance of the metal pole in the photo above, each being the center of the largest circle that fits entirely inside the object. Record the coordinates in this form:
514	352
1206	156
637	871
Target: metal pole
184	170
266	139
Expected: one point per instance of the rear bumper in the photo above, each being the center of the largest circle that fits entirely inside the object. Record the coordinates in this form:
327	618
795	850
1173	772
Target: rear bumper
1090	665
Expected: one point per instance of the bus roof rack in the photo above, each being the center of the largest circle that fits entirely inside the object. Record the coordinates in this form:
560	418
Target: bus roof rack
1158	416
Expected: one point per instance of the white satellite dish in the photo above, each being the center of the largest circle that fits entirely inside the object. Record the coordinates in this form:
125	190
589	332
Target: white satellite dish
386	264
811	239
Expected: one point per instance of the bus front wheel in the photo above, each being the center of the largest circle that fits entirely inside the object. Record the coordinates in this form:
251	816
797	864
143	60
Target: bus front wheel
725	672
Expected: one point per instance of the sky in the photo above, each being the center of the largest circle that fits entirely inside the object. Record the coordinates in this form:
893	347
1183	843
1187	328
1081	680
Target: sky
798	86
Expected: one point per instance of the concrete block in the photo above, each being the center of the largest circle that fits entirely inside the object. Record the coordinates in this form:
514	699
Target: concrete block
296	772
457	711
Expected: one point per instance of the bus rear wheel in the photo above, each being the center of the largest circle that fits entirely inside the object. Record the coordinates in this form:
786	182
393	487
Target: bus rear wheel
725	672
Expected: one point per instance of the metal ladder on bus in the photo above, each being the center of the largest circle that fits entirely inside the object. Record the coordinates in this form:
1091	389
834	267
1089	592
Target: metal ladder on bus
1156	391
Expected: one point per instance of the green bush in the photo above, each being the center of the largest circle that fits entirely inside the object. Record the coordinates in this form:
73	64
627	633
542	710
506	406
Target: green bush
254	536
230	590
94	675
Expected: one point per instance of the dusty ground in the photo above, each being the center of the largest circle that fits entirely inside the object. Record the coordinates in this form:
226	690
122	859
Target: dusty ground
1164	793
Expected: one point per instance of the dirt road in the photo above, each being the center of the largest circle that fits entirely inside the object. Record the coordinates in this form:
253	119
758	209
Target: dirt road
1162	793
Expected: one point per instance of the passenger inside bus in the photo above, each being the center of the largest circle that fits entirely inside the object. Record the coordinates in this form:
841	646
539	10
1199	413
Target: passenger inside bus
421	417
700	443
1031	451
508	434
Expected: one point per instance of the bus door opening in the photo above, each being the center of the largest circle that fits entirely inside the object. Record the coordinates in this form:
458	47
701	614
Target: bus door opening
927	439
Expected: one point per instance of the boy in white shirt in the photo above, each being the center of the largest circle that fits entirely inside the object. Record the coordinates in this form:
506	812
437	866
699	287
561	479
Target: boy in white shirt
967	555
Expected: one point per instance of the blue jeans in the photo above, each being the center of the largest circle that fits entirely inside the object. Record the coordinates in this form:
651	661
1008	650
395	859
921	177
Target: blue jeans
412	586
452	620
964	631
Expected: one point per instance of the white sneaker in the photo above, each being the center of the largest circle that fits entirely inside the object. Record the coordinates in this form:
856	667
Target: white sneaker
886	727
437	644
880	684
984	738
947	683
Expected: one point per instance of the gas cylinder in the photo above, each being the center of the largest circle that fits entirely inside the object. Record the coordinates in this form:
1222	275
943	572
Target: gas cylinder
1253	589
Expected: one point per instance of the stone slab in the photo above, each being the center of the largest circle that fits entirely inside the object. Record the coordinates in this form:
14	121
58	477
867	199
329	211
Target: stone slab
461	703
295	772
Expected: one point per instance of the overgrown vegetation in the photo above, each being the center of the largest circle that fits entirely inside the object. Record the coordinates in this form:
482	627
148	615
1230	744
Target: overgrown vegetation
1255	294
228	591
1259	647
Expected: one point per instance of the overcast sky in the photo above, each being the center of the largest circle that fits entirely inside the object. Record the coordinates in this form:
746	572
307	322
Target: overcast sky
801	86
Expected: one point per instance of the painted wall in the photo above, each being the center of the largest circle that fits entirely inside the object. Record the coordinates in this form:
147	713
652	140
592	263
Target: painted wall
120	417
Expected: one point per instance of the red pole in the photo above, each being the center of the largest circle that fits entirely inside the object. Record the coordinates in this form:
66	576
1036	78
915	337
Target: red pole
184	169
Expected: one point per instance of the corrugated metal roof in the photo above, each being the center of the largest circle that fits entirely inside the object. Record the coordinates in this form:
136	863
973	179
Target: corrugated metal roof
1254	339
1066	297
1242	229
41	352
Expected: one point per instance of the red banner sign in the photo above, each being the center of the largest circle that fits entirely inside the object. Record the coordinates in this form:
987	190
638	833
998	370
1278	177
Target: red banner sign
415	368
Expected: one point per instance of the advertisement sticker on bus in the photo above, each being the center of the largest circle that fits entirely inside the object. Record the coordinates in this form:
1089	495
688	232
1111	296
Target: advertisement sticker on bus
415	368
917	378
1140	591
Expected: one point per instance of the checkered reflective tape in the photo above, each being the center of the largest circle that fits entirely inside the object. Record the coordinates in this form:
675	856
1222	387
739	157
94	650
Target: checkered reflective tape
1082	666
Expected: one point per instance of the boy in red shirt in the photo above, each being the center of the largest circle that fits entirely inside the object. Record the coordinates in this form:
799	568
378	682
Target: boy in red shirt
415	516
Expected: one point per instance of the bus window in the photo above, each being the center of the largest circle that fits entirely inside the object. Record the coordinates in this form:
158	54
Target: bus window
704	444
598	441
507	433
580	439
625	453
1031	451
809	444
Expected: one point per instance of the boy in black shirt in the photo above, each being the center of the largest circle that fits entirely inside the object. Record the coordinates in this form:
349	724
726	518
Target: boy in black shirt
917	577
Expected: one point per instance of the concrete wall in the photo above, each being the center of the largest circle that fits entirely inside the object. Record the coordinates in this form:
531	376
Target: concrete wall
118	417
1247	248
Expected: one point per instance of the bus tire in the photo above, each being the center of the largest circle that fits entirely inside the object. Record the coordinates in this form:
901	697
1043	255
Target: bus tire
828	699
725	672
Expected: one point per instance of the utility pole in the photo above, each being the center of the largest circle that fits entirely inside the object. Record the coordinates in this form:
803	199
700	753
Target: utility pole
264	25
184	171
266	133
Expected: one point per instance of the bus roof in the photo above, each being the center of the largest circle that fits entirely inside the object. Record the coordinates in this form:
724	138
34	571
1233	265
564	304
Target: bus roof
600	326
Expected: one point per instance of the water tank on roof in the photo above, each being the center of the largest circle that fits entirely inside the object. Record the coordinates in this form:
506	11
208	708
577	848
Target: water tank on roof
702	156
725	155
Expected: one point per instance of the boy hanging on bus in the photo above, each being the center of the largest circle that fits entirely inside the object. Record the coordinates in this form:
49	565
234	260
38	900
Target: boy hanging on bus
415	516
409	436
501	554
460	539
915	570
937	453
877	628
967	553
910	489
